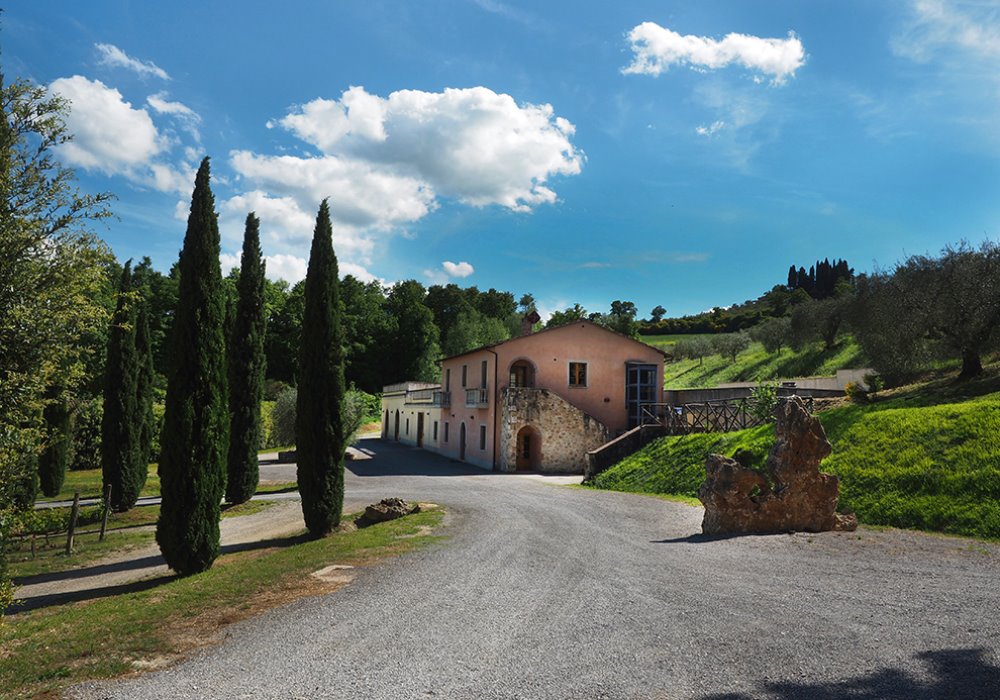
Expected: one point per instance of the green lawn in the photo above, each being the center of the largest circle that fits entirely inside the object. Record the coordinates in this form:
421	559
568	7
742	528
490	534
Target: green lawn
89	482
667	341
924	457
47	650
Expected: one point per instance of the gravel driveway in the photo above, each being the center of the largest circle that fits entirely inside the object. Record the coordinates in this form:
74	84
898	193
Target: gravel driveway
549	592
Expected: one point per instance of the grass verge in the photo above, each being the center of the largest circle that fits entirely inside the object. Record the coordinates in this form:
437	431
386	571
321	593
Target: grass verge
924	458
126	531
45	651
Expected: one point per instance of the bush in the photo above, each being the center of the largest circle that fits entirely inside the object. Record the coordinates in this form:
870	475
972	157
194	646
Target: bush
874	382
856	393
762	402
283	418
273	388
85	452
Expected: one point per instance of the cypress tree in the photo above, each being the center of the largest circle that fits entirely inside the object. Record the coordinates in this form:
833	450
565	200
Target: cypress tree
120	422
195	424
246	369
144	395
319	443
53	459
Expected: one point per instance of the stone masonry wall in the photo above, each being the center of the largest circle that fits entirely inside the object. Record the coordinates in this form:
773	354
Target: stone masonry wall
566	432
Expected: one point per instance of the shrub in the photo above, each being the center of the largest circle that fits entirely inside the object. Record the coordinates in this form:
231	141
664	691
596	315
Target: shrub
856	393
283	418
85	452
763	400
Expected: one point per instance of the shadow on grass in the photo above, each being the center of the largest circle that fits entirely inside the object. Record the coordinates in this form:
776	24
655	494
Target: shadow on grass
953	673
60	598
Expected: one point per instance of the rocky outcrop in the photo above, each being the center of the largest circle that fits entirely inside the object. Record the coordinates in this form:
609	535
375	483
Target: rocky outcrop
789	494
386	509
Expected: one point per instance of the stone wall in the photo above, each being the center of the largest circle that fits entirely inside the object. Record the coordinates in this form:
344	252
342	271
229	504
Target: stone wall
566	432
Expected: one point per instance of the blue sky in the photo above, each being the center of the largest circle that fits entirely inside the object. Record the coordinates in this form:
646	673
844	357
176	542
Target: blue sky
674	153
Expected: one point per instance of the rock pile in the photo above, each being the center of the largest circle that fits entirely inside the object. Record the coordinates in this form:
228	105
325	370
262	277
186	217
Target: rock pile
790	494
386	509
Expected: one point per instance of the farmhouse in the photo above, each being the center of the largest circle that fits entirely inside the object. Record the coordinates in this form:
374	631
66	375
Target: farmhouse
537	402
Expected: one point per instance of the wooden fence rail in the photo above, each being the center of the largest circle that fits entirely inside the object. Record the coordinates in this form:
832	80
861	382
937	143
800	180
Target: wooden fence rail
719	416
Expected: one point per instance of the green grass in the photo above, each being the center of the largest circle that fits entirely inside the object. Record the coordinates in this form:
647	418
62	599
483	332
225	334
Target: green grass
667	341
47	650
756	363
126	531
924	458
90	484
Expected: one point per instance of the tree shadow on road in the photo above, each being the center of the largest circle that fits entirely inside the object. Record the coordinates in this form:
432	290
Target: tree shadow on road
952	673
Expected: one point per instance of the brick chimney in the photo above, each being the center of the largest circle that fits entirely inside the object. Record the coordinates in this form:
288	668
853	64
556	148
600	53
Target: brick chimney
528	322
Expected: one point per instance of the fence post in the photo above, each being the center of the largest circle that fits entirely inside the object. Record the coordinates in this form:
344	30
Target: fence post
104	516
72	522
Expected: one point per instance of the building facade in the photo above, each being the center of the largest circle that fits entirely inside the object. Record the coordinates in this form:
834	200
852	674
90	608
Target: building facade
541	401
411	414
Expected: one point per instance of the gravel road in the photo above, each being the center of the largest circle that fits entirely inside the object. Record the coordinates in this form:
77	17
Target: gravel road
548	592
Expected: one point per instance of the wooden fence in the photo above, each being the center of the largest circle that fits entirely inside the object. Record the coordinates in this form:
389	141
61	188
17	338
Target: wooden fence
721	416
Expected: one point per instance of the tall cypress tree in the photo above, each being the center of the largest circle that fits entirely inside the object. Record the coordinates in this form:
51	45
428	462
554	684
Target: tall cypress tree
120	422
195	425
144	395
319	441
246	369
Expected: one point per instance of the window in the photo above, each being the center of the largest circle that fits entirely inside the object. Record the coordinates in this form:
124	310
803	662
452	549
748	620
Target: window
465	376
435	431
446	431
578	374
447	379
482	375
407	426
482	437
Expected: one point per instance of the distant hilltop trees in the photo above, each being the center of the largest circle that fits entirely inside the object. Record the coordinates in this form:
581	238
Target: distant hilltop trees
821	280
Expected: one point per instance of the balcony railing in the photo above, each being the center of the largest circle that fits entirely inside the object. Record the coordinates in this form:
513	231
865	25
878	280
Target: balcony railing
442	399
476	398
429	397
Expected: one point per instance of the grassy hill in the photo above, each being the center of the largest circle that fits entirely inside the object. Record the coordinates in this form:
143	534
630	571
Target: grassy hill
756	363
923	457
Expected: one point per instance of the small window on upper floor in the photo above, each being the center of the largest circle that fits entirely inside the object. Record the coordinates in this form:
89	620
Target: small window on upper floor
578	374
482	375
465	376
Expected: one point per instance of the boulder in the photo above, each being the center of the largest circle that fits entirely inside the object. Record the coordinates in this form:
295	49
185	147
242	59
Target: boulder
790	494
386	509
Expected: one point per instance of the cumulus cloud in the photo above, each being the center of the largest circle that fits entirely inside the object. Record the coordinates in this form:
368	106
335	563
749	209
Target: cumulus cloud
473	145
462	269
229	261
657	48
111	55
387	162
109	134
186	117
290	268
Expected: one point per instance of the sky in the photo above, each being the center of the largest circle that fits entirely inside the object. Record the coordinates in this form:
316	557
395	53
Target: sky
681	154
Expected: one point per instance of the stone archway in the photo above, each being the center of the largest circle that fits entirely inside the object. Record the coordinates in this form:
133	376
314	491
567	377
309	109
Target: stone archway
529	449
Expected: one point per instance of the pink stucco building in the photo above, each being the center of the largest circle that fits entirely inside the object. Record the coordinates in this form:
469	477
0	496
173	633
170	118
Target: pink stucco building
541	401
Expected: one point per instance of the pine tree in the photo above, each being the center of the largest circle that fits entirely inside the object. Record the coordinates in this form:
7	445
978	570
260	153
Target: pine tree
195	424
144	395
120	422
52	461
318	431
246	370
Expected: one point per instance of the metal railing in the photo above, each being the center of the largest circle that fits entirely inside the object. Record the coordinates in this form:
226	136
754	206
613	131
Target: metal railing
476	398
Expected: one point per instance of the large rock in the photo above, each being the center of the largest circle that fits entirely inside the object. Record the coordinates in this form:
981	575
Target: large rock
790	494
386	509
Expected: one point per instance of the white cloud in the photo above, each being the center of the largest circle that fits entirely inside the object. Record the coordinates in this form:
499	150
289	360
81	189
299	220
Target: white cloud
712	128
290	268
228	261
939	27
111	55
462	269
657	48
185	116
108	134
473	144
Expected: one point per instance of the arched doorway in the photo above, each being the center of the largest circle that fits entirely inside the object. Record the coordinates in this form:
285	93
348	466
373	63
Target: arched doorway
385	425
529	449
522	374
396	431
461	442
